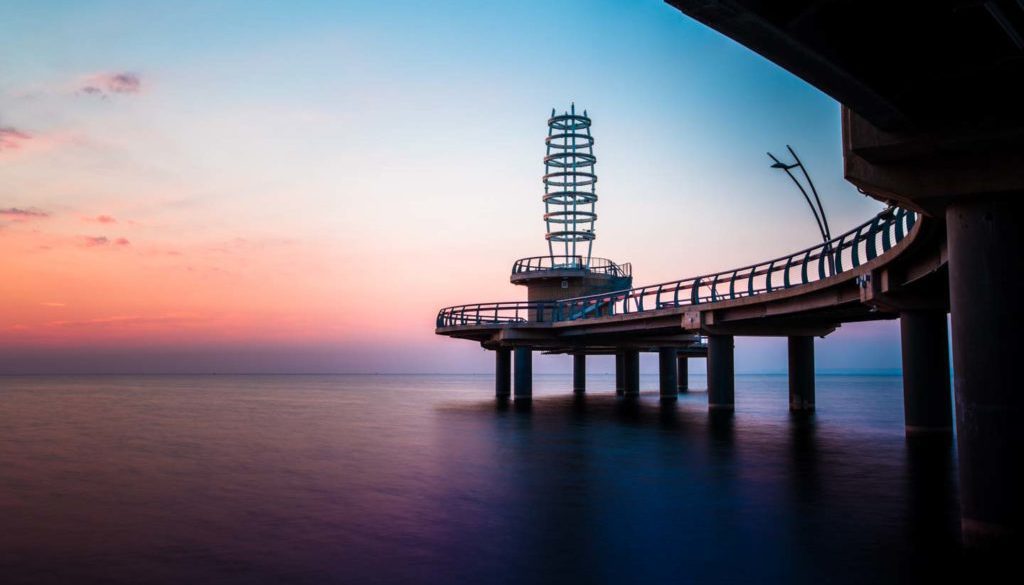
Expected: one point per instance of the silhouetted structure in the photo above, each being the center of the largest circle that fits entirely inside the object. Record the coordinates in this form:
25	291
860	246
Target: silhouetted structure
933	121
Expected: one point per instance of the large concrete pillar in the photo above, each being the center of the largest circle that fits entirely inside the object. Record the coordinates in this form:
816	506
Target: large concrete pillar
721	393
801	372
579	373
986	294
927	406
631	382
503	372
524	373
683	373
667	374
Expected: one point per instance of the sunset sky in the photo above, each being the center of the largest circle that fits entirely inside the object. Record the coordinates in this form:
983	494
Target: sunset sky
299	186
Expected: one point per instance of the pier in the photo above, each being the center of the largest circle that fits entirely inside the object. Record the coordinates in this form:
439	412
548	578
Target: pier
933	131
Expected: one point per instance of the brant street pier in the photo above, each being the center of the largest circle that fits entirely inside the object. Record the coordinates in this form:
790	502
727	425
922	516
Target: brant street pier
932	127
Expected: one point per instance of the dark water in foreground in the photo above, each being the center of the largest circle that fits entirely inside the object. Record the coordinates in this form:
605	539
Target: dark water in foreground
423	479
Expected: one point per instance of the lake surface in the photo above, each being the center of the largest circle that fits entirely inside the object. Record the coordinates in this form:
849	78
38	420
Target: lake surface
425	479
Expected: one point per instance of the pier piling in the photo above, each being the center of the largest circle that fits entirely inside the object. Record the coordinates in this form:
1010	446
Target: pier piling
503	373
801	373
721	383
667	374
682	373
524	373
985	283
927	405
631	382
579	373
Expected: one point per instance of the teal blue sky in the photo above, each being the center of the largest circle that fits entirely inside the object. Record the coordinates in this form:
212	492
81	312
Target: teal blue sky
402	141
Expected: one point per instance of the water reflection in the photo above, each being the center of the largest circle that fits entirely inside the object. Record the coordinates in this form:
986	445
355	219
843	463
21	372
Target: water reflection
431	480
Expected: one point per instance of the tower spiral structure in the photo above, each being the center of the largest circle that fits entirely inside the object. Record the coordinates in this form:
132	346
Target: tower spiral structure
569	189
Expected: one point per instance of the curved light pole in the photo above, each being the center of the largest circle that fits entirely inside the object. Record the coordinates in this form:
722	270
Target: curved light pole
816	208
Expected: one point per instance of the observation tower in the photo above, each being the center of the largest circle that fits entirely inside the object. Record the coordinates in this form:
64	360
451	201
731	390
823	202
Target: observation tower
569	269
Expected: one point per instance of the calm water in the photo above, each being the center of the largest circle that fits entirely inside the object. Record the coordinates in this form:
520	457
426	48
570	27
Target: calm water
424	479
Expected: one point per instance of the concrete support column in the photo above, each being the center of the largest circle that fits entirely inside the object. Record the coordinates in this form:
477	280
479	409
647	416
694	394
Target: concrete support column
667	372
503	372
682	373
927	406
801	372
524	373
986	281
721	389
620	373
579	373
631	382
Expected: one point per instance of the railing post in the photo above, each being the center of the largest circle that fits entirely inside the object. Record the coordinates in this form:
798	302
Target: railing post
872	246
855	249
837	256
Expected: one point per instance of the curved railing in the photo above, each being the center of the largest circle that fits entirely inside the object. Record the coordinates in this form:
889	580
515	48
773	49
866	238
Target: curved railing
556	262
840	254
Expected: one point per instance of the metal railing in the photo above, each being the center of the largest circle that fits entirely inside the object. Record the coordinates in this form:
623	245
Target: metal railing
840	254
556	262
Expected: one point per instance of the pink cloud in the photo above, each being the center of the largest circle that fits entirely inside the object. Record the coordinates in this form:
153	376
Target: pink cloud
100	219
17	143
23	213
100	241
12	138
104	84
93	241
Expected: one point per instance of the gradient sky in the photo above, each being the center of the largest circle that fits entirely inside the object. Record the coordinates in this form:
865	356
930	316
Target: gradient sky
299	186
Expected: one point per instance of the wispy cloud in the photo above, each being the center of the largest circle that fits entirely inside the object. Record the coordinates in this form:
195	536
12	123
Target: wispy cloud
12	138
101	241
127	321
105	84
22	213
93	241
100	219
